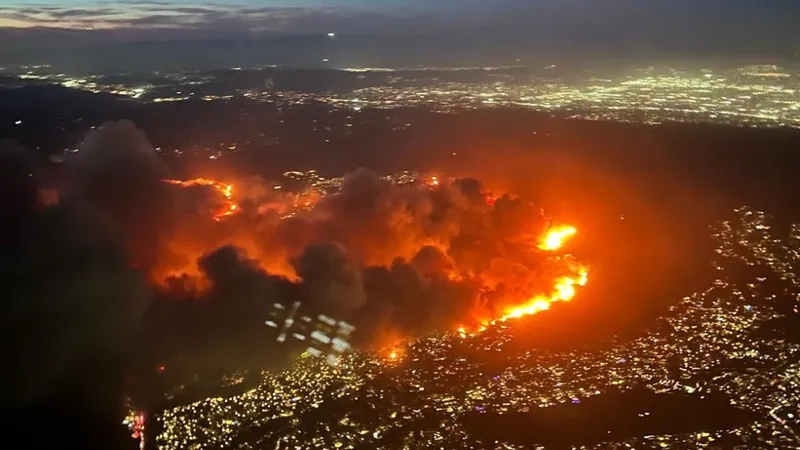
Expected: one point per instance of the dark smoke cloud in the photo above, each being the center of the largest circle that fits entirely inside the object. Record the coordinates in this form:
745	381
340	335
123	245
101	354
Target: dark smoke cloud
405	256
117	171
393	258
331	277
219	326
18	185
71	282
431	262
72	304
231	331
470	188
514	218
375	220
241	292
403	301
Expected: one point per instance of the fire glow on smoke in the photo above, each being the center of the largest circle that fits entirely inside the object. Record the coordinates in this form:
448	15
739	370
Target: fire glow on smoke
564	287
228	208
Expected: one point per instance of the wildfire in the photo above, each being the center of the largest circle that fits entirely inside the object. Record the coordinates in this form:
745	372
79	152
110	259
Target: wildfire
226	190
564	289
556	236
394	355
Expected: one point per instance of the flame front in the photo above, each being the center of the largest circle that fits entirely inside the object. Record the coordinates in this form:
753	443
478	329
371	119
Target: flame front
564	287
563	291
556	236
229	208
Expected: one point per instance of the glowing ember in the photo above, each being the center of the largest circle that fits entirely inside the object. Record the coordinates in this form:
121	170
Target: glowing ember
394	353
556	236
433	181
226	190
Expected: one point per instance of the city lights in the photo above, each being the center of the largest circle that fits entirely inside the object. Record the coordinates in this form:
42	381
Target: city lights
702	347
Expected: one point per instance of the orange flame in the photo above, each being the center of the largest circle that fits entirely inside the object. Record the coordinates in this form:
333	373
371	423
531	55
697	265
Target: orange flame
394	355
556	236
226	190
432	181
564	289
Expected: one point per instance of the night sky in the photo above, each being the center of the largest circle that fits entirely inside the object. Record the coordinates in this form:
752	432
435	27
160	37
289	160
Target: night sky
403	31
355	16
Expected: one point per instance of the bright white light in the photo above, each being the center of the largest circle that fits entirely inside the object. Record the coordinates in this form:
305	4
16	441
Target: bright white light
319	336
330	35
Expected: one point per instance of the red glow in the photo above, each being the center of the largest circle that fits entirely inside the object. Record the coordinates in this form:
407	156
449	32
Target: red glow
564	287
229	207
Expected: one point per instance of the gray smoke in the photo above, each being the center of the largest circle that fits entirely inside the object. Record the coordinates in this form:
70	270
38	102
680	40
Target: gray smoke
117	171
331	277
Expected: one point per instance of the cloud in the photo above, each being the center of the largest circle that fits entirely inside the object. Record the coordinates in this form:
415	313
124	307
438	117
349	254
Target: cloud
143	15
82	13
567	22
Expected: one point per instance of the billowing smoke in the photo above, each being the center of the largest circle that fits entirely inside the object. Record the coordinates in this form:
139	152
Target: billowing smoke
117	171
218	257
332	278
412	258
405	302
430	262
392	259
375	220
72	305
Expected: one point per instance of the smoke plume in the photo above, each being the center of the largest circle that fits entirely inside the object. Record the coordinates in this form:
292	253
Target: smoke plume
117	171
413	257
331	277
400	259
72	304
